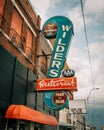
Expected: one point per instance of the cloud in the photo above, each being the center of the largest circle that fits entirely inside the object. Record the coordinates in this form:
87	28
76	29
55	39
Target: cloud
88	74
94	6
54	2
41	8
94	9
79	61
93	13
76	17
97	61
97	49
77	57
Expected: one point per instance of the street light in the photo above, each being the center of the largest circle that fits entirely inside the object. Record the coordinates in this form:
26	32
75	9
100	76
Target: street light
91	92
88	102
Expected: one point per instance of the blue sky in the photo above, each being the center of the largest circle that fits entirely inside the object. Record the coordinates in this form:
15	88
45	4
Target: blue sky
86	59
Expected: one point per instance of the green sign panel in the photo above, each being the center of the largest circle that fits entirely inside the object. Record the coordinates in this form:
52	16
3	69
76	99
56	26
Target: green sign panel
61	28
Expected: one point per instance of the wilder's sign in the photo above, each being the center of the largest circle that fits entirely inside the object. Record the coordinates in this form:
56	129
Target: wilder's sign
60	28
57	84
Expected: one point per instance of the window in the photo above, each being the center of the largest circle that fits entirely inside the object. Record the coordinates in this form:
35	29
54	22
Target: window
43	63
29	40
2	3
68	118
16	22
11	124
16	27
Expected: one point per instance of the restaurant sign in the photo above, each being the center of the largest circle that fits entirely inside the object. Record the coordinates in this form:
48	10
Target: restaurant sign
57	84
60	28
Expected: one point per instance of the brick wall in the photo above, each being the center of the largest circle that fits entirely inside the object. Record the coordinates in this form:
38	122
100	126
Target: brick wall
5	32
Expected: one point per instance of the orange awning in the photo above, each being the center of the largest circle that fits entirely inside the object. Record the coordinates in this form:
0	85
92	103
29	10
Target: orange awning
24	113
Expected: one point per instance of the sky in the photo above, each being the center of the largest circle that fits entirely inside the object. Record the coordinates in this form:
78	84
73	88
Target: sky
86	54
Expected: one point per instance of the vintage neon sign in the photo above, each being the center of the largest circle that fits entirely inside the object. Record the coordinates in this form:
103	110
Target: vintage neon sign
61	28
64	28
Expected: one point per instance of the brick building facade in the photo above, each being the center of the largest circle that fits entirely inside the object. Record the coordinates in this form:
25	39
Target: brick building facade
23	59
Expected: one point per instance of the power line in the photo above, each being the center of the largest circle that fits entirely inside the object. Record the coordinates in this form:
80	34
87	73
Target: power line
86	37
